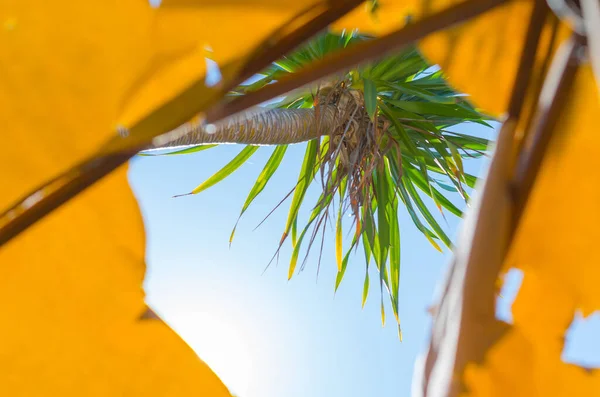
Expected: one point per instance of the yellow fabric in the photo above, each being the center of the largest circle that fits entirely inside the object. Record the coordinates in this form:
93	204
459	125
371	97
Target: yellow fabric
79	70
186	31
563	188
556	248
71	299
480	57
386	17
469	53
71	286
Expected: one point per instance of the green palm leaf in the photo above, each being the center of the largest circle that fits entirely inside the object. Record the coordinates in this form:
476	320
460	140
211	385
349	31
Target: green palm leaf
393	140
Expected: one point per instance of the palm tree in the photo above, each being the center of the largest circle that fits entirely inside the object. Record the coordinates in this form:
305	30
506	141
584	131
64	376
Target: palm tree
377	136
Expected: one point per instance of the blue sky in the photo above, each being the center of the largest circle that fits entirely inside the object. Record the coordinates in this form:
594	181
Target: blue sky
263	335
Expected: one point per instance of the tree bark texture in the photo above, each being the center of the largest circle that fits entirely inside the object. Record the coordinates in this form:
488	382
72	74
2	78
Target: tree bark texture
270	127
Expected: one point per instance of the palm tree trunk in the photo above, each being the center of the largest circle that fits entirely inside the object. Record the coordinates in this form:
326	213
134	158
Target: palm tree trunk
271	127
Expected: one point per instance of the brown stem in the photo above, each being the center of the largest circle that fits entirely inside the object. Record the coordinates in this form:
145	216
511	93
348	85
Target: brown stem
270	127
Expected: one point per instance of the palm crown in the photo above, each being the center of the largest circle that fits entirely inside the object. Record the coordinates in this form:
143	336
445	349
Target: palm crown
377	136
